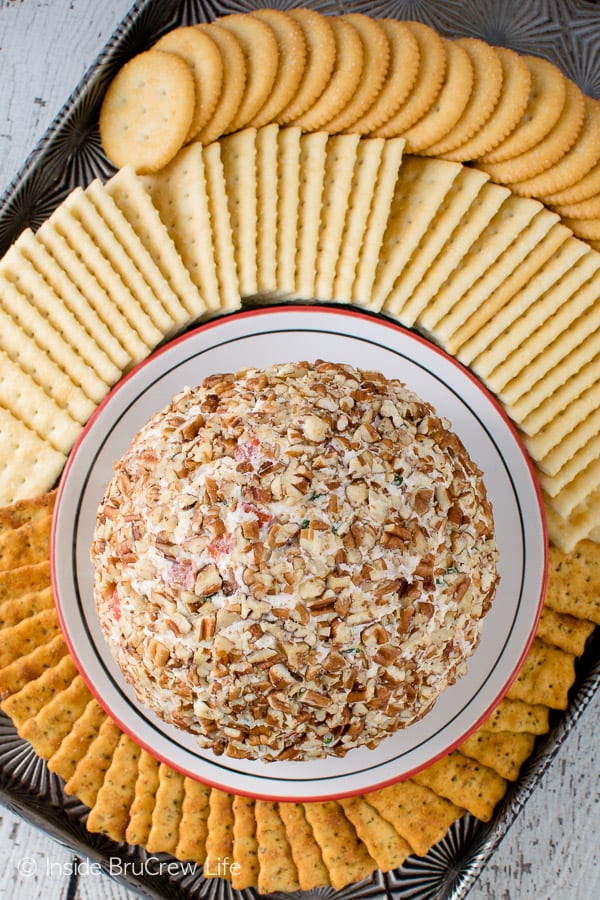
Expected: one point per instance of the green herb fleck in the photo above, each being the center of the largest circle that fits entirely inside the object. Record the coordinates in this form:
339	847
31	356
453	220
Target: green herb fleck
438	580
335	528
398	479
328	739
304	524
451	570
315	495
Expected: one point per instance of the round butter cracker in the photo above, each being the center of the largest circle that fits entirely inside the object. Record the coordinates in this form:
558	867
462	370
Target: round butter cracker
544	107
449	105
232	88
261	55
487	84
147	111
376	49
292	62
586	229
588	185
202	55
512	102
572	178
401	74
585	209
550	149
427	85
345	78
320	60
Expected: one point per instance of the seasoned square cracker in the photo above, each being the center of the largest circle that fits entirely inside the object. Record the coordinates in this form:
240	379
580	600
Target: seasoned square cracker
245	869
574	581
30	665
89	774
75	744
518	716
28	702
27	545
381	839
344	854
191	839
306	852
24	511
545	677
142	805
462	780
419	816
564	631
110	813
276	868
166	814
21	639
504	752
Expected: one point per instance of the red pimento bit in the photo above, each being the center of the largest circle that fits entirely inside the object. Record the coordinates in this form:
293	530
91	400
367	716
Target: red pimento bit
114	604
247	451
261	516
219	546
184	574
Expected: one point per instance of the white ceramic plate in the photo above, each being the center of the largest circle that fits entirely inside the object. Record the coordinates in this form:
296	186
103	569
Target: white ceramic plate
284	334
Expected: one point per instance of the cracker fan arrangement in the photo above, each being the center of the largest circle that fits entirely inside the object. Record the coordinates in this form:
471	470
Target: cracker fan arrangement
448	185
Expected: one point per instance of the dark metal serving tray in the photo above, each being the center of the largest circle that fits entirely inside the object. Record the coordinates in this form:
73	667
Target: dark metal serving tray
565	31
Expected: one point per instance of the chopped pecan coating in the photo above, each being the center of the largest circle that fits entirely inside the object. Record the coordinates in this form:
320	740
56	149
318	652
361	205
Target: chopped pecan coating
301	558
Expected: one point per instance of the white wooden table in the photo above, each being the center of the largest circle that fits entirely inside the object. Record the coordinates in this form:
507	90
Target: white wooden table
552	850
